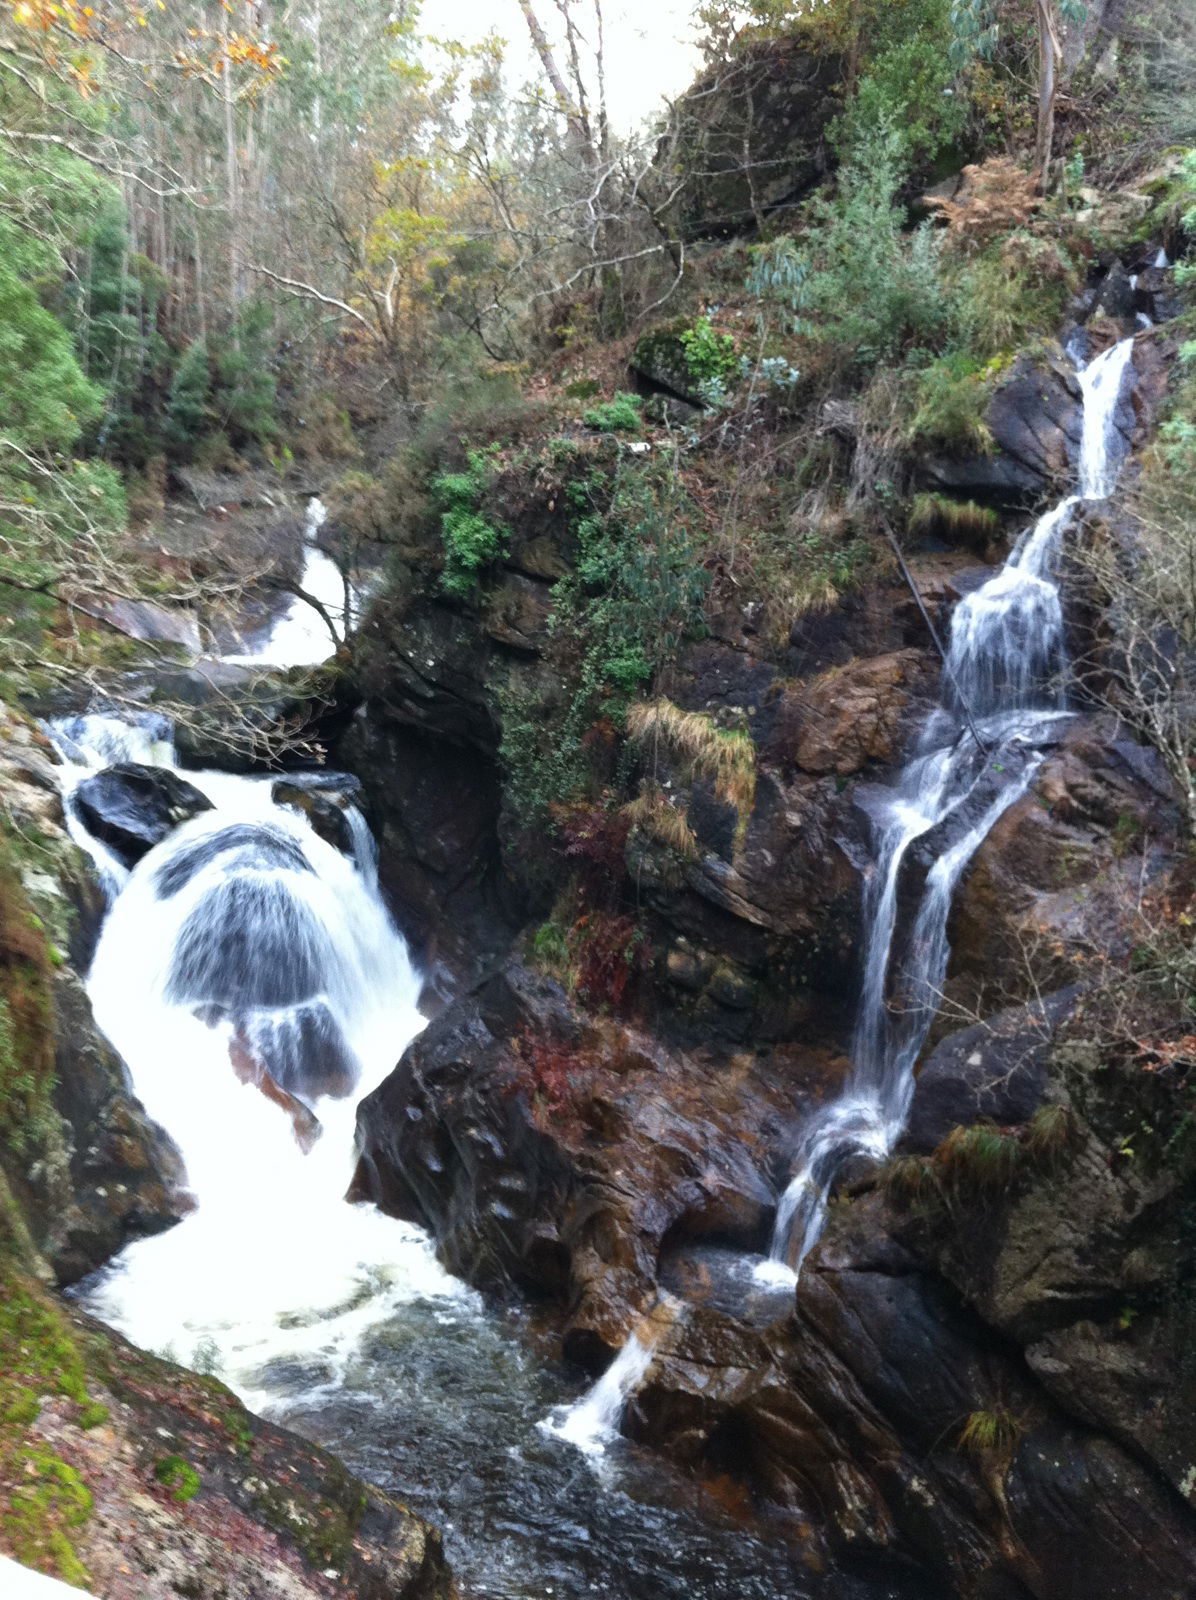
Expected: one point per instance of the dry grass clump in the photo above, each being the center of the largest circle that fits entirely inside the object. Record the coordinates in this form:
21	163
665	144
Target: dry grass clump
724	756
959	521
655	815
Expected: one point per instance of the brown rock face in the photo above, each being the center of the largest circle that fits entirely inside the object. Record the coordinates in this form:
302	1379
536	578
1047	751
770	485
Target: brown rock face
847	719
561	1151
1061	869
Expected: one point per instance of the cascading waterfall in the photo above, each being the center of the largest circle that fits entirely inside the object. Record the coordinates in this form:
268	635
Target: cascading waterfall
1005	684
245	954
1004	688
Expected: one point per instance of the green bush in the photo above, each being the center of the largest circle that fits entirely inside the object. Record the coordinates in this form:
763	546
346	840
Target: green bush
711	356
623	414
910	84
471	540
858	280
637	590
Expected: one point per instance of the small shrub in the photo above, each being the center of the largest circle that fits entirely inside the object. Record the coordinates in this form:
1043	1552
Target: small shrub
611	952
711	358
623	414
995	198
471	540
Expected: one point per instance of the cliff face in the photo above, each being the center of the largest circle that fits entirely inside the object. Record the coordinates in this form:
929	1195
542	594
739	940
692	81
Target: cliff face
985	1366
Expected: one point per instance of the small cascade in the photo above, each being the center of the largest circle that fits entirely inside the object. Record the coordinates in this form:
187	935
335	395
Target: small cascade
300	636
1005	686
593	1421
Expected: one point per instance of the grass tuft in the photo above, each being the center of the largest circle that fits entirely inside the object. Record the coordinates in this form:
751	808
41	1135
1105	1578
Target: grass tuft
725	756
994	1433
1052	1128
937	516
656	816
982	1156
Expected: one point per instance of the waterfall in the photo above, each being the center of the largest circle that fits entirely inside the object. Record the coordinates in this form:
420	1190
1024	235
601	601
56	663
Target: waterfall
253	983
300	637
1004	686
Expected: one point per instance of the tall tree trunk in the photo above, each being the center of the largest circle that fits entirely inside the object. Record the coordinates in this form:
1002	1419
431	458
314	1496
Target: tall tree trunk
1050	54
232	180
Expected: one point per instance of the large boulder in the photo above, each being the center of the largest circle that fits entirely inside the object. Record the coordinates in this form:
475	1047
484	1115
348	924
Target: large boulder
559	1150
132	808
754	133
1035	420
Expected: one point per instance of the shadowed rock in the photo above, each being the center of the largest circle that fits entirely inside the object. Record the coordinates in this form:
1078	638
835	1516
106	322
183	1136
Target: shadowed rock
132	808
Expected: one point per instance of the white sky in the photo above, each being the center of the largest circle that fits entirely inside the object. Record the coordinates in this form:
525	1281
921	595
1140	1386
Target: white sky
648	44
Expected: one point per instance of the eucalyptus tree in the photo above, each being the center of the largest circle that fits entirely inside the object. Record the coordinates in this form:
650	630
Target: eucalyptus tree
976	33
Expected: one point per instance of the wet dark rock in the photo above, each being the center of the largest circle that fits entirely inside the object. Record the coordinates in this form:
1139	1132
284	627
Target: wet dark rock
132	808
994	1071
1115	295
1059	870
124	1176
324	798
1035	421
849	718
558	1150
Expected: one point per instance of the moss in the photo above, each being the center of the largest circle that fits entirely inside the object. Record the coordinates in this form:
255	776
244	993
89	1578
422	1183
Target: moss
43	1500
179	1477
26	1019
42	1512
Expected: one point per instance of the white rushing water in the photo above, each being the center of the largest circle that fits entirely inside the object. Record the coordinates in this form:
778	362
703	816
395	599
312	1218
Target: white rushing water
1005	683
594	1421
245	945
300	636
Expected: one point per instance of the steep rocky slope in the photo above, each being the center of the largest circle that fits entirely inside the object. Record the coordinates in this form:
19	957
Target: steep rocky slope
963	1374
